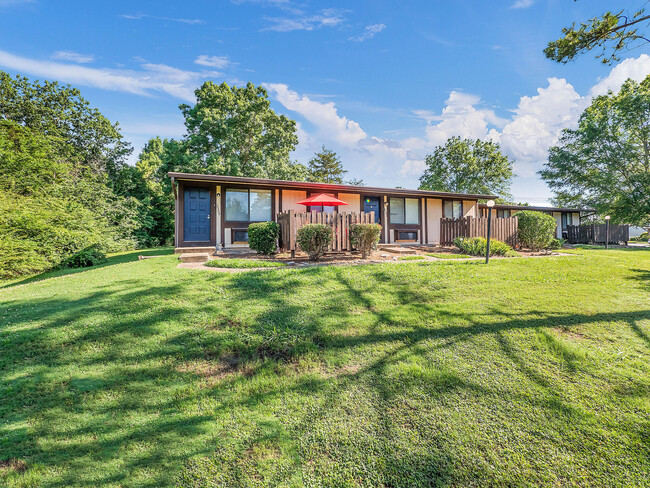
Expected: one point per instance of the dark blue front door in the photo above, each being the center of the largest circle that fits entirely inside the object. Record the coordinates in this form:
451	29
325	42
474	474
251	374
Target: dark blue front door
371	204
196	216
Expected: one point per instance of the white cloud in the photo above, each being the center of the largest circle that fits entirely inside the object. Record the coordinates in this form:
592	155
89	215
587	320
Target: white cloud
323	116
324	18
522	4
140	16
73	56
368	32
219	62
635	68
151	79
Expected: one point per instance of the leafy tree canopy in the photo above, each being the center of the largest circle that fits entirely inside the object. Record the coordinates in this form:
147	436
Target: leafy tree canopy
605	162
611	32
80	132
326	167
468	166
233	131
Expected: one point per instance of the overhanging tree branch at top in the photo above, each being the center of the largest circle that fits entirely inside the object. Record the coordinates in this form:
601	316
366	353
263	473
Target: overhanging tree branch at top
612	32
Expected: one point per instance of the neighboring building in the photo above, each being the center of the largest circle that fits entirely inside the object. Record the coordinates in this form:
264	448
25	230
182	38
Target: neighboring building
563	216
216	210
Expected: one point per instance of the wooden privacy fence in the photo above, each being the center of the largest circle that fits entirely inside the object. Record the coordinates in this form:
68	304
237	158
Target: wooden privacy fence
340	222
597	233
503	229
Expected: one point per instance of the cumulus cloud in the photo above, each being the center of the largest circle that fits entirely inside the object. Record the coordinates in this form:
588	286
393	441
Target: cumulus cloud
150	79
368	32
73	56
219	62
635	68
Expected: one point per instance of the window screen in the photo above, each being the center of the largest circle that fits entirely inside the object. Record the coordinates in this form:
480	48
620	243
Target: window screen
397	211
237	205
412	210
260	201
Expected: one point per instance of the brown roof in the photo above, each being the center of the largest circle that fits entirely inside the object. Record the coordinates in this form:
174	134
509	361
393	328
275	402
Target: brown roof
536	209
320	186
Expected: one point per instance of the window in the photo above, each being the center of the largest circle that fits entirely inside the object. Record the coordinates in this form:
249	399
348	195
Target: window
453	209
321	208
407	235
239	235
248	205
567	219
503	214
404	211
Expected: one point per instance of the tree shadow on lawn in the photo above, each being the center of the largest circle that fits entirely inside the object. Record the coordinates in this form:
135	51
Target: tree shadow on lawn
118	258
98	378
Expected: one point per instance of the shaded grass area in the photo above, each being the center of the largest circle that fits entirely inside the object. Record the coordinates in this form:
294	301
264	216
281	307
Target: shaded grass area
243	263
523	372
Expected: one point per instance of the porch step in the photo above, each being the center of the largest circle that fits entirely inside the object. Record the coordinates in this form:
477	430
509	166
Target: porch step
194	257
397	250
194	250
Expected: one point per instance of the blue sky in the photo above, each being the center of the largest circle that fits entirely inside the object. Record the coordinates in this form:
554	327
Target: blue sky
380	82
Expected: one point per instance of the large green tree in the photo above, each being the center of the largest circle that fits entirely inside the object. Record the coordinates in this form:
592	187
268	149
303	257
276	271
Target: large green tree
233	131
468	166
605	162
610	32
326	167
80	132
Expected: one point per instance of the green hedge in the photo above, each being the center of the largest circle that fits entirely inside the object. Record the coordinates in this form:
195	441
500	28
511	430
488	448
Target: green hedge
314	239
477	246
536	229
263	237
365	237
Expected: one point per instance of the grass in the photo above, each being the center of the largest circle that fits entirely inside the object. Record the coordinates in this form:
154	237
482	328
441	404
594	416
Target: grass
442	255
526	372
411	258
243	263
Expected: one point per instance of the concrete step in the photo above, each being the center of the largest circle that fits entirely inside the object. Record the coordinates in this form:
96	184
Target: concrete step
397	250
193	250
194	257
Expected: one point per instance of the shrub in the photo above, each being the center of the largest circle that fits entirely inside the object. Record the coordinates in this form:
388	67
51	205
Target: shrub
477	246
556	243
365	237
314	239
90	256
536	229
263	237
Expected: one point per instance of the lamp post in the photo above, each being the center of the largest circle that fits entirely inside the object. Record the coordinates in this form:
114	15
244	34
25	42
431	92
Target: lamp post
490	204
607	217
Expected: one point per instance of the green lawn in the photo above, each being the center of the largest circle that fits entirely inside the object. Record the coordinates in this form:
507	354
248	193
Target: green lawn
243	263
442	255
526	372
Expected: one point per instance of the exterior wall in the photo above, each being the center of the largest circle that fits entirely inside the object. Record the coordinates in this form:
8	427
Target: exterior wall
576	218
558	219
434	214
470	208
289	199
217	221
354	199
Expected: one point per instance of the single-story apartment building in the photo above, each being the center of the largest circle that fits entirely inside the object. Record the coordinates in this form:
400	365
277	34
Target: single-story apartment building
563	216
213	210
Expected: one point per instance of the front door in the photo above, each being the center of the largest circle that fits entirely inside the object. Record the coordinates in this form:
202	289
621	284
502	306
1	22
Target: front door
196	216
371	204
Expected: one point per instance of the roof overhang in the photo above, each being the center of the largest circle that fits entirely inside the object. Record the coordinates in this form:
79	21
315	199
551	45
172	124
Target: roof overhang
537	209
306	185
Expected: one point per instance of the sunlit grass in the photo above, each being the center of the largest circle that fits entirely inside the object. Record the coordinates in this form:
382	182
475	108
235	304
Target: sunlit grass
526	372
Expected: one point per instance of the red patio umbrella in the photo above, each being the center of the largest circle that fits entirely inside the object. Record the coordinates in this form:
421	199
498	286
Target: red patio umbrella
322	199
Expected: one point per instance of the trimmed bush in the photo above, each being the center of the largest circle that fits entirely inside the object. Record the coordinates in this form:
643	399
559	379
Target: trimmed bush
85	258
365	237
263	237
314	239
477	246
536	229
